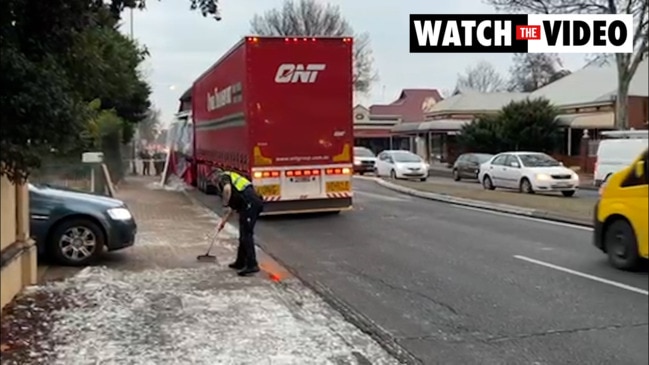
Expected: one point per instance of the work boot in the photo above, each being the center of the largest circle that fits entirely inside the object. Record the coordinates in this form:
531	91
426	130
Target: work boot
248	271
236	266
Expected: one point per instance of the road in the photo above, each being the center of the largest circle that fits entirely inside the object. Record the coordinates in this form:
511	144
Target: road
459	286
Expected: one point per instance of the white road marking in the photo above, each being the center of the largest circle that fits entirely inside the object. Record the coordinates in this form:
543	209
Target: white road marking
584	275
538	220
379	196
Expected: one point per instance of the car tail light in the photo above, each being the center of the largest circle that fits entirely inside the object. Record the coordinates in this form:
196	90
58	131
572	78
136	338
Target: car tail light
305	172
338	171
265	174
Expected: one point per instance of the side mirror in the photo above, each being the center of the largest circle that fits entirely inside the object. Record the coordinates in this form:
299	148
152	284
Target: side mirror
639	169
514	164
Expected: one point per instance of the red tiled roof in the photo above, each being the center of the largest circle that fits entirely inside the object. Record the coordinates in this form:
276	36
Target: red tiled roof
408	105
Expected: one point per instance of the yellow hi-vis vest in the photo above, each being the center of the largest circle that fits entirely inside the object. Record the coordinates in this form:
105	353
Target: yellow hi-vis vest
239	182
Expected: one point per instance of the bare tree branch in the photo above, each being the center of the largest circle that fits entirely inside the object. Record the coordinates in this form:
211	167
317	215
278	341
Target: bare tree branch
627	64
531	71
313	18
482	78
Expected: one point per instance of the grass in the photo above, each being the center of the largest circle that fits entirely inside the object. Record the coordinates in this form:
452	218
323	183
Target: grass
576	207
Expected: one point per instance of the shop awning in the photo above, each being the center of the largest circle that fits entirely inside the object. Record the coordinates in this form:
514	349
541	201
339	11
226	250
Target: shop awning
443	125
605	120
406	128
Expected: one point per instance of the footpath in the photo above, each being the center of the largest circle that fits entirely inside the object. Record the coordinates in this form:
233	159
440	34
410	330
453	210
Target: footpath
155	304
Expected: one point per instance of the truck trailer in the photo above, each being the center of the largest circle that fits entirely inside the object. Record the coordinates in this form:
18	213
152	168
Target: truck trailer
279	111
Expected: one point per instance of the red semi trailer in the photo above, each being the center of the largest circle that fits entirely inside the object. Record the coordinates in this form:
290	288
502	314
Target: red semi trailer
279	111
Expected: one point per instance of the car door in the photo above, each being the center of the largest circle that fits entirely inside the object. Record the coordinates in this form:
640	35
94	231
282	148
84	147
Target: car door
470	166
512	171
380	164
635	191
496	170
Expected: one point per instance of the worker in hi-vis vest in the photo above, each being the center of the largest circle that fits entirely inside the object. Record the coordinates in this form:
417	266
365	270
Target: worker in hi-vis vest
238	194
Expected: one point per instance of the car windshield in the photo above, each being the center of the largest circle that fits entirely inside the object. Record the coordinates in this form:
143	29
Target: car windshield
363	152
483	157
405	157
538	160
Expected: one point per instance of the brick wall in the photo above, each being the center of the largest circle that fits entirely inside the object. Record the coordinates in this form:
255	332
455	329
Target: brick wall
638	112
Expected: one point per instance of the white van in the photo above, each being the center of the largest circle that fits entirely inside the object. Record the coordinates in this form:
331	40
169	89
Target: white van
618	152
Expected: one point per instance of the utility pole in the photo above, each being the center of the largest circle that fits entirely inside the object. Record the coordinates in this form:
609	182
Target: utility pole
135	135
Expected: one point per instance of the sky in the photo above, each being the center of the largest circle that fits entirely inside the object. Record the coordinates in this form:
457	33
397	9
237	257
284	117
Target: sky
183	44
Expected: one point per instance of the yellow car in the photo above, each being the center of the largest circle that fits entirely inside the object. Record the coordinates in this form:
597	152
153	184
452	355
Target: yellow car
621	216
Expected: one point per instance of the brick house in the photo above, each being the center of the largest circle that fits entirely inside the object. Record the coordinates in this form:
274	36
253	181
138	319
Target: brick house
373	126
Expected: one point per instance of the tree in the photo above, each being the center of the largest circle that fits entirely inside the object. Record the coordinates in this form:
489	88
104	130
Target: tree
148	128
312	18
482	77
482	135
532	71
528	125
51	68
627	64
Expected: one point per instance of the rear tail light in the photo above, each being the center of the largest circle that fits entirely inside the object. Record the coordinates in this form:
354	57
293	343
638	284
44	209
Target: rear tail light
266	174
338	171
306	172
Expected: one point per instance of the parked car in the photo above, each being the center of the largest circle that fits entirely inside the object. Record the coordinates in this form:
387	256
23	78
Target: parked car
621	216
401	165
528	172
614	155
468	165
73	228
364	160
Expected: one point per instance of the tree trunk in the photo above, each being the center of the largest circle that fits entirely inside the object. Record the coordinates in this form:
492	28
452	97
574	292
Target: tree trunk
622	104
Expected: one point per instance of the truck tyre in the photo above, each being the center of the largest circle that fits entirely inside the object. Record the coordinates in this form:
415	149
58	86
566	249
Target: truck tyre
621	245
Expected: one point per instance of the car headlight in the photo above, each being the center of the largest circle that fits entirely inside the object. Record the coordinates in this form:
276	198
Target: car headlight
543	177
120	214
357	162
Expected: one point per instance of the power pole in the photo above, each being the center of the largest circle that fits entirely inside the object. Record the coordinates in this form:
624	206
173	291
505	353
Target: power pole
135	135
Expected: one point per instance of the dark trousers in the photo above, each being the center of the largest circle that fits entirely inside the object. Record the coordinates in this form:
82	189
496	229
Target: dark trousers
246	255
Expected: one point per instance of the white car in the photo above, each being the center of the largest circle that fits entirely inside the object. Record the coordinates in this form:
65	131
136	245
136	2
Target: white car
364	160
528	172
401	165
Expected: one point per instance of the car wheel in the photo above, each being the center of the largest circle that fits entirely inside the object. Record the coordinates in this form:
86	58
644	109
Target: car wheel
621	245
393	175
376	171
456	175
568	193
76	242
361	173
423	179
526	187
487	183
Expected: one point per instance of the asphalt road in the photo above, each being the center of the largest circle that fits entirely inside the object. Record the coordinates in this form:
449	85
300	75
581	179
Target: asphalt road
460	286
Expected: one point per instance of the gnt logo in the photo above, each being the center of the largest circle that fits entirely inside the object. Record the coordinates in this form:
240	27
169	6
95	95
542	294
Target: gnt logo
535	33
289	73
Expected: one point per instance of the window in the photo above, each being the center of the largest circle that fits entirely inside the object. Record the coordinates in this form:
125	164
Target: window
363	152
499	160
511	159
406	157
538	160
633	180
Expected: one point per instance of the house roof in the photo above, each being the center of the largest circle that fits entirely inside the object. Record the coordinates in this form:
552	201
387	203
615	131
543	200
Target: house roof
475	102
591	84
409	104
